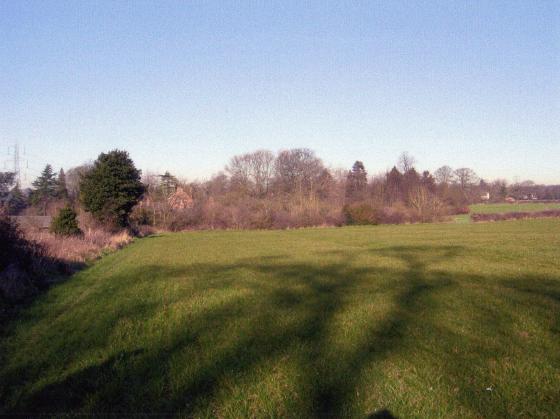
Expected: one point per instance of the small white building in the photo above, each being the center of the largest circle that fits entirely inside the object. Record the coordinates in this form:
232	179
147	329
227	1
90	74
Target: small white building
485	196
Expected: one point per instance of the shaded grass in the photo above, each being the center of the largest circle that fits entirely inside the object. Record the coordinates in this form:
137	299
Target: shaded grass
438	320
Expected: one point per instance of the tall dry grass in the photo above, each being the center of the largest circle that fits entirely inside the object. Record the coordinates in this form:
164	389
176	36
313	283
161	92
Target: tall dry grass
32	259
79	249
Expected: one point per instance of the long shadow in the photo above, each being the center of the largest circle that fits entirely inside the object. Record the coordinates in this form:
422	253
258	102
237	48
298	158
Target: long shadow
316	291
470	369
381	414
541	287
72	392
335	399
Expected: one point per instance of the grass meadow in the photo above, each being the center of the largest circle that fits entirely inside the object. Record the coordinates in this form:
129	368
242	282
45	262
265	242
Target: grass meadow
436	320
513	207
504	208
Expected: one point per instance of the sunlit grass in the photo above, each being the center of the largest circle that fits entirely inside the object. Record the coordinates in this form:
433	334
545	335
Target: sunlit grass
440	320
514	207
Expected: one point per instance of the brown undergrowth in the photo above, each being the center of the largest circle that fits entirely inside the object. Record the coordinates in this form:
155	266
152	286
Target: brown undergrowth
31	259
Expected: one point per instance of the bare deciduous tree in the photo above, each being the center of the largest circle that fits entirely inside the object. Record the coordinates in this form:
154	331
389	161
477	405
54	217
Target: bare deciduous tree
262	164
406	162
465	177
427	205
252	172
444	175
73	177
239	168
297	170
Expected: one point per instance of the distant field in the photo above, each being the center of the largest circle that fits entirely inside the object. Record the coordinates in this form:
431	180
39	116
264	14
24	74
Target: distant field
524	207
437	320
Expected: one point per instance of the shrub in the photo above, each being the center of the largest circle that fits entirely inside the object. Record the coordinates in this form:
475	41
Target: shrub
360	213
397	214
184	219
460	210
65	223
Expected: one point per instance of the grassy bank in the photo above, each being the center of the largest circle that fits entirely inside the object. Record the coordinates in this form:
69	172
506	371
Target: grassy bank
438	320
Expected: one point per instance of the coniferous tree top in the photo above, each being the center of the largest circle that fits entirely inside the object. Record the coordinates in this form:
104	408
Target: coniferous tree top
61	190
356	182
45	184
44	188
168	183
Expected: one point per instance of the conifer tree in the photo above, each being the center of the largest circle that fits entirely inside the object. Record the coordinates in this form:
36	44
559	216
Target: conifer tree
17	201
66	223
61	190
111	188
44	189
168	184
394	186
356	183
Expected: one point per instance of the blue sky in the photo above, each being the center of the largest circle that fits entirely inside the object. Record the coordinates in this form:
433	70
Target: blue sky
185	85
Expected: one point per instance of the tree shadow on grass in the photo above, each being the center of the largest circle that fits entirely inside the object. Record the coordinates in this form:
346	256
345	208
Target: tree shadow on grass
72	392
381	414
335	390
317	293
545	288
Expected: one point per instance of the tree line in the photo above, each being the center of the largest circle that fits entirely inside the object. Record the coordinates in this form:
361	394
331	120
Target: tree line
261	189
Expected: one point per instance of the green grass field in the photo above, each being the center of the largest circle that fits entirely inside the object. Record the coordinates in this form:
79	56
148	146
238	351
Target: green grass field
501	208
516	207
438	320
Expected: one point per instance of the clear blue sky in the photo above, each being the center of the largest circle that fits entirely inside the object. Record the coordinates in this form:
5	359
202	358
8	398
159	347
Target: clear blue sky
185	85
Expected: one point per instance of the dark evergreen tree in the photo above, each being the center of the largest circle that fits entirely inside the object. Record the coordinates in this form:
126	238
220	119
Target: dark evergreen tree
394	186
111	188
410	181
44	189
356	183
325	184
61	190
66	223
16	201
428	181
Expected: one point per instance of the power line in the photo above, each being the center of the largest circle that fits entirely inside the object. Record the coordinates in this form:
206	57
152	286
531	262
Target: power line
16	164
14	158
19	163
